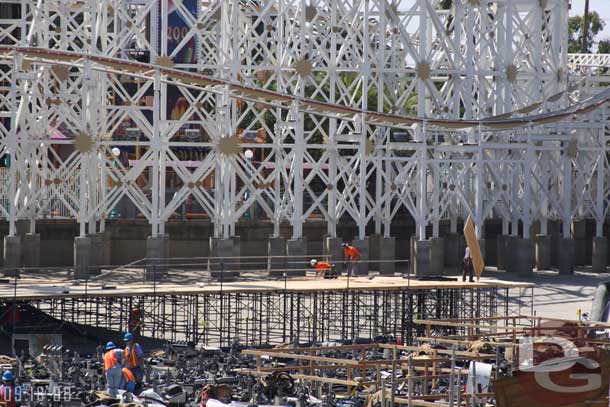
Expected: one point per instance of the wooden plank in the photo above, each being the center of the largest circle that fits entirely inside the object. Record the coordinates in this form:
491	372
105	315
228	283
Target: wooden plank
473	245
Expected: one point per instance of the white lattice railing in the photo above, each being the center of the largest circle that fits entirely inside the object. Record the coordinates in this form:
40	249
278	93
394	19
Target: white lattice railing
589	60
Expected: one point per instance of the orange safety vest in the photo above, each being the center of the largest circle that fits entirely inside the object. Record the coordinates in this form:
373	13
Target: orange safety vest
351	253
110	360
128	376
322	265
131	356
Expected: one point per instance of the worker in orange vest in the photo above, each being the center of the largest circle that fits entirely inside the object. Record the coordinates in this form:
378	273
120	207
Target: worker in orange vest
134	356
352	256
128	381
323	269
113	362
7	390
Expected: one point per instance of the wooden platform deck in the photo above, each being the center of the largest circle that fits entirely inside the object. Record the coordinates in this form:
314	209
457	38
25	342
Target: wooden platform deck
38	291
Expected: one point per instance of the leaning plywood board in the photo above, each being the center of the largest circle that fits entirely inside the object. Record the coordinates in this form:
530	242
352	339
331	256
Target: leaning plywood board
473	245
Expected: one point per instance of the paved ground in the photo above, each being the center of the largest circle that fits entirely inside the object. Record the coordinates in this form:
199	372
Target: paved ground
559	296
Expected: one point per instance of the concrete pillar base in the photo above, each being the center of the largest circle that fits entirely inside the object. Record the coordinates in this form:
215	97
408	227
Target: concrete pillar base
97	254
421	260
157	250
374	251
503	252
362	268
543	252
599	255
566	256
31	250
333	249
437	248
387	256
236	263
222	264
452	256
12	255
82	257
298	262
276	265
522	255
107	249
579	234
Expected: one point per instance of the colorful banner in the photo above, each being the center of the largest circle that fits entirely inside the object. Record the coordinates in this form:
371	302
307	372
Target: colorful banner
177	30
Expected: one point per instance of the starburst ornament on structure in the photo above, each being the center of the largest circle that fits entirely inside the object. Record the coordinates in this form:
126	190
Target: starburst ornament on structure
303	67
83	143
164	61
229	145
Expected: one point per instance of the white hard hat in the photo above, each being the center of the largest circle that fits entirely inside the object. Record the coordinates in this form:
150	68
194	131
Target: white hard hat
313	262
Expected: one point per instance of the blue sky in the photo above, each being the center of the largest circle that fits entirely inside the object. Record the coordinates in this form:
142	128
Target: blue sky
603	9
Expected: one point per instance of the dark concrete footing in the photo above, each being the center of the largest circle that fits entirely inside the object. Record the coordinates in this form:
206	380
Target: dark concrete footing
276	250
299	263
543	252
566	256
222	263
31	250
374	251
522	256
157	256
503	252
452	253
599	255
437	248
12	255
387	256
421	259
82	257
333	252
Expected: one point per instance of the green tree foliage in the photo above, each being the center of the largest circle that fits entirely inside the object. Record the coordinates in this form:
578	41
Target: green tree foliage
575	30
603	47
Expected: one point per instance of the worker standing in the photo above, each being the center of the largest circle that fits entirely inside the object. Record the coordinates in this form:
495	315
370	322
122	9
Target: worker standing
323	268
134	357
467	266
7	390
128	381
352	257
113	360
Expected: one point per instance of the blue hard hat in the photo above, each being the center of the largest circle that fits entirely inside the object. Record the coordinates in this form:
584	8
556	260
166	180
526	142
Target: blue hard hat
110	346
128	337
7	376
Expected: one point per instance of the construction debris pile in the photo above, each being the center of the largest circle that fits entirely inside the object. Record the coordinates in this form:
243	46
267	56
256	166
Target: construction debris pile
473	362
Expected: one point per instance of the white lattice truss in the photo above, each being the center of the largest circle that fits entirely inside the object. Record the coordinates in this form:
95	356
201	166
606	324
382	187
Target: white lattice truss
465	111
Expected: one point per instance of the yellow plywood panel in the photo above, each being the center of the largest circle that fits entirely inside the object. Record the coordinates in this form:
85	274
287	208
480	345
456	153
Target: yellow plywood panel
473	245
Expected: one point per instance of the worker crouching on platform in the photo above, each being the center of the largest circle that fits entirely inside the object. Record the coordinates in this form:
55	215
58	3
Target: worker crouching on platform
324	269
113	364
7	390
134	357
352	257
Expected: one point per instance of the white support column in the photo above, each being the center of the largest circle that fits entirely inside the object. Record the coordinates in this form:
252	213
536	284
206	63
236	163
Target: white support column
12	145
527	189
155	147
333	153
567	195
601	160
422	190
479	187
299	148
